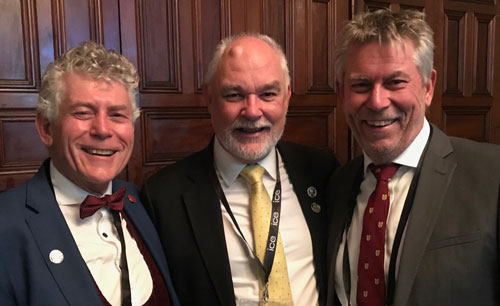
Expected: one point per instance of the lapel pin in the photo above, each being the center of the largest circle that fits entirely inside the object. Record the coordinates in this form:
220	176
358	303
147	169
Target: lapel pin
56	256
311	192
131	198
315	207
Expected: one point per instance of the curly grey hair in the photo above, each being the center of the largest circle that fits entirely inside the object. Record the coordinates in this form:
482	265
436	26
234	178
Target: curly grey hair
91	59
385	27
221	47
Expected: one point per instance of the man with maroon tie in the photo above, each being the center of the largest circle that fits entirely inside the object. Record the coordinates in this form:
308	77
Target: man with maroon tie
415	219
73	234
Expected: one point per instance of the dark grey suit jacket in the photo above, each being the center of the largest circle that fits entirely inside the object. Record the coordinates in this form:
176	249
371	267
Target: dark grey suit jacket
187	214
32	225
450	254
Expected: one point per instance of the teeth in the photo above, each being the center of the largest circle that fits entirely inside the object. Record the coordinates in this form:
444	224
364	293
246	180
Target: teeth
99	152
252	130
380	123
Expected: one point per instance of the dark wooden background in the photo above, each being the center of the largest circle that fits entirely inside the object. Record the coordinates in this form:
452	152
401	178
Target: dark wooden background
171	42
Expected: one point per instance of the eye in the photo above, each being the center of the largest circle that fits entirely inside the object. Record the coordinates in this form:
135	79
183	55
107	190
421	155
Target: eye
361	87
119	116
396	84
268	95
233	97
83	114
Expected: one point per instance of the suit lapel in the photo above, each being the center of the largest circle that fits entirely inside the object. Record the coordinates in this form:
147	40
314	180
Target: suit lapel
50	231
138	216
204	211
343	190
436	174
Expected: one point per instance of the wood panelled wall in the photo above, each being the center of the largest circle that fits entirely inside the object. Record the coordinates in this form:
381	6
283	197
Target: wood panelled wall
171	42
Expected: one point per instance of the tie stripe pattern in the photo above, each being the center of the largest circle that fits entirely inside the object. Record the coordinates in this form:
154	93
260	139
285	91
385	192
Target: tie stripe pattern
371	277
260	207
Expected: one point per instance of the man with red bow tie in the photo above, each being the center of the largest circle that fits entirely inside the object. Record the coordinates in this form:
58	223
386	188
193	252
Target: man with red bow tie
73	234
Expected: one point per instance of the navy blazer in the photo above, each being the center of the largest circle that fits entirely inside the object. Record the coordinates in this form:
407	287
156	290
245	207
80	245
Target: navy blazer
32	225
187	213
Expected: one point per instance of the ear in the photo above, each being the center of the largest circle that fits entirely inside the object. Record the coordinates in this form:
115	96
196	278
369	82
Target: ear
429	88
288	95
44	129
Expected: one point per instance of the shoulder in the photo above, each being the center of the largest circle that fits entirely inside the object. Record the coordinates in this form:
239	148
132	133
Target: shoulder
480	151
12	201
308	157
175	174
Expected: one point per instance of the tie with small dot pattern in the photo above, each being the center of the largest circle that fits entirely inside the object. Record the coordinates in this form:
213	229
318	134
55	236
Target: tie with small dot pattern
371	278
260	206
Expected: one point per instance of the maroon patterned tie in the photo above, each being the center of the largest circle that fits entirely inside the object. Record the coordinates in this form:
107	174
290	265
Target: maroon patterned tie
371	280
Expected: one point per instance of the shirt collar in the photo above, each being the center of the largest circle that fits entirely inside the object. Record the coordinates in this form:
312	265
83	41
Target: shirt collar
67	192
229	167
410	155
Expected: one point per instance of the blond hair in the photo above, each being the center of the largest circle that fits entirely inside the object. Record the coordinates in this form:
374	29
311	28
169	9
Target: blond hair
384	26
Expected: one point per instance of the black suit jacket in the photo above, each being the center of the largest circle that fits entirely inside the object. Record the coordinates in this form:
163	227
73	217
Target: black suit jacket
450	254
187	214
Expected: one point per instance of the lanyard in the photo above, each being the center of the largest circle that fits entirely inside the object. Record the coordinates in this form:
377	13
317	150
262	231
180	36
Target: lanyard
272	238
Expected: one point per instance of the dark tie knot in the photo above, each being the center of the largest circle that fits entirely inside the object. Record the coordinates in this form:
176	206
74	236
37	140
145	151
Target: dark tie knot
383	172
91	204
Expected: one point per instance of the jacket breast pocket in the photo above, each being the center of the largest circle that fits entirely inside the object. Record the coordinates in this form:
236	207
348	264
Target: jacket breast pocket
452	241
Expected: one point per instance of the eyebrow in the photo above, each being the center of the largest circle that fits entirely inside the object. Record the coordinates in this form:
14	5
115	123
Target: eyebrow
93	106
270	86
358	77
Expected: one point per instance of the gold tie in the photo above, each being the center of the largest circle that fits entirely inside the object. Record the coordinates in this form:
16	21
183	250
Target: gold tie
260	205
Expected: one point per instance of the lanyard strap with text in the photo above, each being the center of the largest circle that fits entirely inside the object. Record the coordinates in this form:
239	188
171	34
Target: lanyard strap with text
272	238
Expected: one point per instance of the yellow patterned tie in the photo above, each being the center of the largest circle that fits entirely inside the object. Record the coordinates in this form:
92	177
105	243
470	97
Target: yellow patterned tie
260	205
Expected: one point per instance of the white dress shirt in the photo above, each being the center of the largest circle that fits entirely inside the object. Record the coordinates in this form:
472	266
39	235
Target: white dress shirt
399	185
293	229
99	244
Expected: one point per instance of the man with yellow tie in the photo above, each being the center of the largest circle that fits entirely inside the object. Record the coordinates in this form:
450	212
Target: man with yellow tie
245	214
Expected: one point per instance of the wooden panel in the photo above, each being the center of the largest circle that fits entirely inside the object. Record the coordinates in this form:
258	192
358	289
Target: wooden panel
483	55
276	21
19	51
22	149
478	1
472	123
245	16
172	134
371	6
320	47
75	21
107	13
454	46
208	30
311	126
277	16
159	46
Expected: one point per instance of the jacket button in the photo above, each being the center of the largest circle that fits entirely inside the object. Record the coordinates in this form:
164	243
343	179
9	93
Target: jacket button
315	207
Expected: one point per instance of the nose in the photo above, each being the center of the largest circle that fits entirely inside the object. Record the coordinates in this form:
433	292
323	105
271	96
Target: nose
252	110
100	127
379	98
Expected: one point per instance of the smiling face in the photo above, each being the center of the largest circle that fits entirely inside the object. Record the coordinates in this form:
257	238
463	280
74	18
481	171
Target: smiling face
384	98
248	100
92	138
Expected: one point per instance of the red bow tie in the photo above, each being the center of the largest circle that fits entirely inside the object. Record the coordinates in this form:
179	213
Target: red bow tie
91	204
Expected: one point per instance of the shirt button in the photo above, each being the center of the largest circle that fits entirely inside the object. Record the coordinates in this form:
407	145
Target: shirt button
105	235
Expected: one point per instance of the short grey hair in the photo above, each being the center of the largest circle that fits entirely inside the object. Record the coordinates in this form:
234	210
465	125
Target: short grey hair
221	47
384	26
91	59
